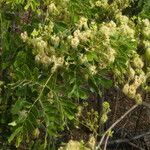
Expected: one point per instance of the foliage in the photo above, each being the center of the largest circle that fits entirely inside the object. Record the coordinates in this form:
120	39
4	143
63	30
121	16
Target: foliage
55	54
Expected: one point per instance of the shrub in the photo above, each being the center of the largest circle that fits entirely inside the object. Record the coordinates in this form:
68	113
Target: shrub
55	54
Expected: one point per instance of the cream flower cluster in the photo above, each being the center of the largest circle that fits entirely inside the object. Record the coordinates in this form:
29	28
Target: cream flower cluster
137	62
125	28
83	59
24	36
136	77
111	55
83	23
82	34
47	60
56	9
107	30
74	145
130	90
146	28
101	3
106	110
52	9
122	19
92	69
55	40
42	47
86	37
145	23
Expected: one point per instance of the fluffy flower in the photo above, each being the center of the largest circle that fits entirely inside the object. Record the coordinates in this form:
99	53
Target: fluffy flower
146	43
24	36
101	3
131	73
137	81
106	107
111	55
83	58
53	9
77	33
112	24
83	23
39	43
105	30
138	98
43	58
146	32
92	69
122	18
125	29
55	40
73	145
146	22
104	118
85	35
125	89
138	63
131	91
92	142
75	42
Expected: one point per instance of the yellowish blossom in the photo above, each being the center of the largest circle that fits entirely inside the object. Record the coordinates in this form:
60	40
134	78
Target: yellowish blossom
131	91
75	42
125	89
24	36
138	63
83	23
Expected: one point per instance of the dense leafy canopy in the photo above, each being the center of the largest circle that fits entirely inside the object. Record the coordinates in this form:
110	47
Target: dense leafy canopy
56	53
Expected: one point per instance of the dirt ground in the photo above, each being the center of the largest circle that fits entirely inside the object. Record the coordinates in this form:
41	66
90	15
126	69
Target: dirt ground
132	133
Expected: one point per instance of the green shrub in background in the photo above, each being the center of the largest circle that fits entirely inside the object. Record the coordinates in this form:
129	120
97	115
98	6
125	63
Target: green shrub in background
56	53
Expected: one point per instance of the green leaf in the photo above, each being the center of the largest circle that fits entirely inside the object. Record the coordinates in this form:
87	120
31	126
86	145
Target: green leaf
69	113
83	94
18	106
91	56
107	83
19	140
14	134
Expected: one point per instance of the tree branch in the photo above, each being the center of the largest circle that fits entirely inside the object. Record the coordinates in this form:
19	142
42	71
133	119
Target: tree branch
114	124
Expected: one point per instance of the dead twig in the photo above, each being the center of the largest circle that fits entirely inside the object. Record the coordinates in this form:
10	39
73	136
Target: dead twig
114	124
128	140
106	141
146	104
134	145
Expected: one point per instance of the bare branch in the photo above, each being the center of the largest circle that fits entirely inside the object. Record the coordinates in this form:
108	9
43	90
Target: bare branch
114	124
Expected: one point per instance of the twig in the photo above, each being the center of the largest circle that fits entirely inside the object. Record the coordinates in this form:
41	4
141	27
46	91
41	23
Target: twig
114	124
134	145
128	140
146	104
116	106
106	141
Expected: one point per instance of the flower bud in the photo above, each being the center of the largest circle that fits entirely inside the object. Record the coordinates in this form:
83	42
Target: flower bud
132	91
75	42
131	73
138	98
125	89
138	62
24	36
104	118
